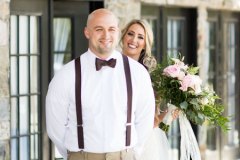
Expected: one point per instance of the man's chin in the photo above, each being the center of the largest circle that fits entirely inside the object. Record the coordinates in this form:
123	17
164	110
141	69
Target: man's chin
106	51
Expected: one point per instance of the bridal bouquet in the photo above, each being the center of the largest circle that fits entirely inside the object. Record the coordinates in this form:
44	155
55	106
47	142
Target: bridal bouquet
178	84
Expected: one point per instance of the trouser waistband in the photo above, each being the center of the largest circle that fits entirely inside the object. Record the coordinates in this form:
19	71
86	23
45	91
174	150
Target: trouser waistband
119	155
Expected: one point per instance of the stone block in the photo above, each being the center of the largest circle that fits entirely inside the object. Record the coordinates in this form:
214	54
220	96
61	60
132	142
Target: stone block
4	130
4	9
4	150
4	33
4	109
124	10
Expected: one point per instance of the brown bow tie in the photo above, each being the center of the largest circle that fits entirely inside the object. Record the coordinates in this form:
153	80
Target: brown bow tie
99	63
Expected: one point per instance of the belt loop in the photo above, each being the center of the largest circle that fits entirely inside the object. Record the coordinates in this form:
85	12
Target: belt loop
85	155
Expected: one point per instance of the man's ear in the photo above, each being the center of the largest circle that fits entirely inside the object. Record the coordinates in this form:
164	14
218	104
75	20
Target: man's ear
86	32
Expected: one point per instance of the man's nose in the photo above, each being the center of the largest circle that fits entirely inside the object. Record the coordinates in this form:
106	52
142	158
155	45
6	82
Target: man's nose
106	33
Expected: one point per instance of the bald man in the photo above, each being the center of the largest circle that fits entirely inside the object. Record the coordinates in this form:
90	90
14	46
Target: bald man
107	113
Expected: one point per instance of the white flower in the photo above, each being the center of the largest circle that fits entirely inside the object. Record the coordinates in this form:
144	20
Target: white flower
204	101
180	63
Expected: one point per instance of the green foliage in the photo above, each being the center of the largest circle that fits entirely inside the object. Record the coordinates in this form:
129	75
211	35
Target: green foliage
199	107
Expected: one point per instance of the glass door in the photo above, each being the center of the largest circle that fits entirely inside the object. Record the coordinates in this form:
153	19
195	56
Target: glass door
25	87
29	42
69	42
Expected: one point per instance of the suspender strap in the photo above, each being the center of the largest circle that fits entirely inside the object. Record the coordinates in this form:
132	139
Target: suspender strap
79	102
129	99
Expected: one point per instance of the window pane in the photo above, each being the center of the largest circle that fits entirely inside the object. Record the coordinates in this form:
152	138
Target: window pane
175	35
24	149
14	149
24	81
34	35
23	34
34	146
34	114
23	115
13	32
169	34
212	33
62	42
231	82
14	117
14	76
34	72
153	23
23	75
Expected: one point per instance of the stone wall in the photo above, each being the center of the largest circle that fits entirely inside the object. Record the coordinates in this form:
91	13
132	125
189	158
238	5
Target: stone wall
201	38
126	10
4	86
233	5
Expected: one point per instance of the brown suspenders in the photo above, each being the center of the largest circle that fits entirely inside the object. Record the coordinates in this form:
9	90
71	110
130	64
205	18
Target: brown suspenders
79	101
129	99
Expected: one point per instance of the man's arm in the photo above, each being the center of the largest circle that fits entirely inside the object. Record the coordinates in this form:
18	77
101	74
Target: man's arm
144	115
57	103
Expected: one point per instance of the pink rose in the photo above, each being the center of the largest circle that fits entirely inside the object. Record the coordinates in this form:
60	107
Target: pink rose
174	71
192	81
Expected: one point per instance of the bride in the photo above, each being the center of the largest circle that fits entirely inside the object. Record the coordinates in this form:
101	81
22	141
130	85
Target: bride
136	42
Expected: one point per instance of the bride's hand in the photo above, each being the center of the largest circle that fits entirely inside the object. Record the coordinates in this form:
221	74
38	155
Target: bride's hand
159	117
175	114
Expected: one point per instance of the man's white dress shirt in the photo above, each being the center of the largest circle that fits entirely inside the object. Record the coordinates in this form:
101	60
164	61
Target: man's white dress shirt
104	106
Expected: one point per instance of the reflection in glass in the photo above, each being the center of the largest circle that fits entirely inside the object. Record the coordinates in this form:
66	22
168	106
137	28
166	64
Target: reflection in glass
169	34
34	74
34	114
153	23
34	35
23	34
62	42
14	117
14	149
24	149
210	57
23	115
14	76
174	37
231	83
34	147
23	75
13	32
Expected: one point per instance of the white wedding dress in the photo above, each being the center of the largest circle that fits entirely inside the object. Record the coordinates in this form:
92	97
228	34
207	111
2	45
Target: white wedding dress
156	146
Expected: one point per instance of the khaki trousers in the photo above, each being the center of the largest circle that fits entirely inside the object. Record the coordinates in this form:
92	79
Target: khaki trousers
121	155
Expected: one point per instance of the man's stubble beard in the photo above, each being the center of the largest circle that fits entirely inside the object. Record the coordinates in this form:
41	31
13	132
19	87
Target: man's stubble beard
106	50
